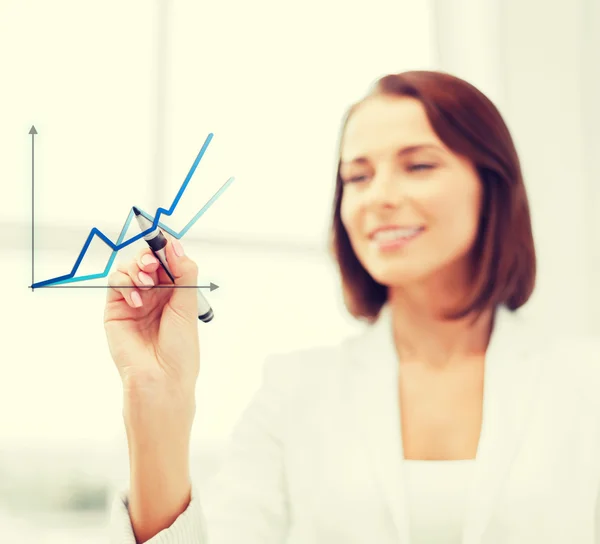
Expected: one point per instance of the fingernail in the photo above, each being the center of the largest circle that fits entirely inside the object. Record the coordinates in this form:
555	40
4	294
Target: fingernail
136	299
178	248
148	259
145	279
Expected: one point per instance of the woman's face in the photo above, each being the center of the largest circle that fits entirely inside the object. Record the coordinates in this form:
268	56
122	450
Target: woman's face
399	177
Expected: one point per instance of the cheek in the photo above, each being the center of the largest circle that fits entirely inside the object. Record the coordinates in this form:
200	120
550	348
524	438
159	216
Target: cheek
455	217
350	214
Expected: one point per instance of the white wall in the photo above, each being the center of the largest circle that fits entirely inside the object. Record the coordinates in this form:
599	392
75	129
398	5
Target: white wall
539	61
590	86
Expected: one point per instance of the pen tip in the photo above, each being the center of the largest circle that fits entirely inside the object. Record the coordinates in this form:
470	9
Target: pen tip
136	211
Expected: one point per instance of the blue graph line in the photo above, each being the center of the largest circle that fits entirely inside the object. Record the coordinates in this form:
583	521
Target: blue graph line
69	278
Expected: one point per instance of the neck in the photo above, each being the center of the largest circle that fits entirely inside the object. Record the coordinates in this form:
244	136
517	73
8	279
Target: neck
424	336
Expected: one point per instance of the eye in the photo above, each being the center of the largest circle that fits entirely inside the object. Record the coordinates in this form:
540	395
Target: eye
421	166
355	179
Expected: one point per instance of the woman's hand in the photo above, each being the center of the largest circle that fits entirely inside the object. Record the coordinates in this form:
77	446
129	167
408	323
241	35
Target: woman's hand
153	339
153	332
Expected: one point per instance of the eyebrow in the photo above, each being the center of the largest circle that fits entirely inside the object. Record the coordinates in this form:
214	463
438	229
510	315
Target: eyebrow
401	152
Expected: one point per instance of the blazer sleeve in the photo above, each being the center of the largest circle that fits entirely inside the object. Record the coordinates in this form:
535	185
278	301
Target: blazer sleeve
246	501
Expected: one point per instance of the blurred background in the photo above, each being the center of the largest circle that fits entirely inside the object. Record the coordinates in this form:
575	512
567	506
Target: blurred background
123	95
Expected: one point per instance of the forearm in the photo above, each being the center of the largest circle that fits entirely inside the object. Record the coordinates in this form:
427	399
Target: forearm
158	430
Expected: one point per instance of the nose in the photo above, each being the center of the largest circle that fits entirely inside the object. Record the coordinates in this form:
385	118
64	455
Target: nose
385	189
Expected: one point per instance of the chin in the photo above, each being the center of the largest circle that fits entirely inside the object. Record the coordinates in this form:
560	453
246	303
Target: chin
398	276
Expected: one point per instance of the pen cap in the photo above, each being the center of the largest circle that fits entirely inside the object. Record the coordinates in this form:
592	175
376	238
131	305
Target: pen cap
203	304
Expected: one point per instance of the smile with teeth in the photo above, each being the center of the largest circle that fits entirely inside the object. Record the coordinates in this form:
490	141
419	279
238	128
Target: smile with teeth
394	238
394	234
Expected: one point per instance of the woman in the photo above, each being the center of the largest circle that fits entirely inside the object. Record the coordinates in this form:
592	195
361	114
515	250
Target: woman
446	421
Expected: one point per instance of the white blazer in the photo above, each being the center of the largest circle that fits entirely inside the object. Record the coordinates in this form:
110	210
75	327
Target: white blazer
317	456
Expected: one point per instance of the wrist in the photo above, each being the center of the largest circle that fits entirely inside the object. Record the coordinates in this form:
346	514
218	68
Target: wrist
147	385
162	409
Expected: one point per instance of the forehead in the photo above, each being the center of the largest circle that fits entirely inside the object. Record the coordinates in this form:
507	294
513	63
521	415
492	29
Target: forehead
383	124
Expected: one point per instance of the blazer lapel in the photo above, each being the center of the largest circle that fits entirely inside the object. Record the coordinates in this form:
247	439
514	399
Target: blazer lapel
374	401
510	379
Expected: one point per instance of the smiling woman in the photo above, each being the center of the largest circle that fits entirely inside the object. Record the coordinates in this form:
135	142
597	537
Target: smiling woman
371	438
429	180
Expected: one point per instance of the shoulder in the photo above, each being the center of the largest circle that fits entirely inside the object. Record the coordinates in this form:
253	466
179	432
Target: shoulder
571	353
573	361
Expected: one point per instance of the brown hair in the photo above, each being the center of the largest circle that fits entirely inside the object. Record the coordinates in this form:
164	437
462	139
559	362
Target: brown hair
470	125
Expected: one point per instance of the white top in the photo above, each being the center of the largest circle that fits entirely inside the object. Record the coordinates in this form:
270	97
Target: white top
316	456
436	499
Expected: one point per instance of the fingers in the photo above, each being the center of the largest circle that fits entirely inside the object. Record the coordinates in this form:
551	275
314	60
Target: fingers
184	269
122	287
146	261
144	271
185	272
139	274
143	275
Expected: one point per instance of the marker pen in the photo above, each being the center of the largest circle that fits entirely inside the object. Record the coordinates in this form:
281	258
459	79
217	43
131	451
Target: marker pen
157	242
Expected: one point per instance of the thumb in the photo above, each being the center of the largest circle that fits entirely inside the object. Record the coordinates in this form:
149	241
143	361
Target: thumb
184	301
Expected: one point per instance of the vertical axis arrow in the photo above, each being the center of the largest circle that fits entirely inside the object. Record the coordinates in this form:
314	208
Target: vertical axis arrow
33	132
